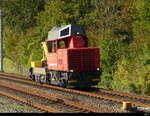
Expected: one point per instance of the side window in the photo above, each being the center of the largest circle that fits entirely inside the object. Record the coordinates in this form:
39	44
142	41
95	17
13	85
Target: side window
51	46
61	44
64	32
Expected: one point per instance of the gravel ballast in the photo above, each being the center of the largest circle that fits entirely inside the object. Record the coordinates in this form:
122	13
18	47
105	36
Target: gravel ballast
8	105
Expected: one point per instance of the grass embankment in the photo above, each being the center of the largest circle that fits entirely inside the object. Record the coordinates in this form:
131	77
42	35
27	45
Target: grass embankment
9	66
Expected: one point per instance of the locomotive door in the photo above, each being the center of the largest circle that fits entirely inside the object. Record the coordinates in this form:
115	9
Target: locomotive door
62	54
52	55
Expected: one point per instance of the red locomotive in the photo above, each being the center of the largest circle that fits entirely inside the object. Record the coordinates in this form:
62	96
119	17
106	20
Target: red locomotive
67	61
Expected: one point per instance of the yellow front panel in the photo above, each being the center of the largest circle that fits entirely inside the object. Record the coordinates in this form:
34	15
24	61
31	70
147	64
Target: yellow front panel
36	64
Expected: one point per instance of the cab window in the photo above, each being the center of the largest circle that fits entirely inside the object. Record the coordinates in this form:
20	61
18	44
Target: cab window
51	45
61	44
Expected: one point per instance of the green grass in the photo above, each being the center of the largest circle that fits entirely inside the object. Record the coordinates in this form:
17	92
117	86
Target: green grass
9	66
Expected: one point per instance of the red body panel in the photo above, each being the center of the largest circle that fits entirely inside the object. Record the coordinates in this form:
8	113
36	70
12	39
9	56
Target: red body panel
74	59
52	61
62	59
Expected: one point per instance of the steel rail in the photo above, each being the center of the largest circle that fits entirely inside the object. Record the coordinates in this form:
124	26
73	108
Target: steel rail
105	97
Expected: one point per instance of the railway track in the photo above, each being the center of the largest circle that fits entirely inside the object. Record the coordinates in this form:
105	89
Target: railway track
126	95
30	103
138	101
59	101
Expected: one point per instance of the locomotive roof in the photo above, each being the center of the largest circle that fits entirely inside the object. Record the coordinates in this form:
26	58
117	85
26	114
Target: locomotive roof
65	31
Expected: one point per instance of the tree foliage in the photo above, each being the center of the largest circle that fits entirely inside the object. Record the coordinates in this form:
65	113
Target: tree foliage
120	28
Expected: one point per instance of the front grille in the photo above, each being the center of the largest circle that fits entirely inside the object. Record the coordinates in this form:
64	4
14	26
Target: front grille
88	58
74	59
82	59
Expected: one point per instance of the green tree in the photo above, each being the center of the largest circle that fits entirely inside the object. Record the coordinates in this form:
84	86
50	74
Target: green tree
20	14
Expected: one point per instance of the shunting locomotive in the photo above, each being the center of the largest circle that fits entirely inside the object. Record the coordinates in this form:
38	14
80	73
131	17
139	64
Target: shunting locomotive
67	60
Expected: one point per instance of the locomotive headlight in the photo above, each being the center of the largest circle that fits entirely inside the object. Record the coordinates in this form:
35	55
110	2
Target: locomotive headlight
97	68
71	70
77	33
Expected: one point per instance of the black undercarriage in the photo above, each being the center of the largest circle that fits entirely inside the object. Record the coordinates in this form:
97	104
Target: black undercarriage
66	79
